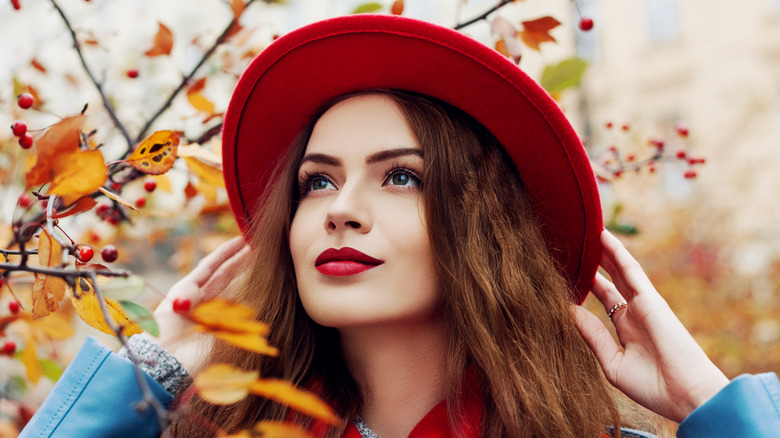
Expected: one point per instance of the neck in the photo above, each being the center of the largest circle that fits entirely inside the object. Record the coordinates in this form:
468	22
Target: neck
400	370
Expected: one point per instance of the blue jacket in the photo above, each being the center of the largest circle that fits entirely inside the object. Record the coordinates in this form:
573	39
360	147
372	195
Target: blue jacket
91	399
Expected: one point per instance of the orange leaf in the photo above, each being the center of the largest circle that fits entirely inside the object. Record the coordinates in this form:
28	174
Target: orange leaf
209	173
48	290
223	384
238	8
285	393
156	154
82	204
117	198
86	303
233	323
247	341
163	42
397	8
38	66
60	140
78	174
200	103
271	429
537	31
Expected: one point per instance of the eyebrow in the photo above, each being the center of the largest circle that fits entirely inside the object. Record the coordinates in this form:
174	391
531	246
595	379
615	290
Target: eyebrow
371	159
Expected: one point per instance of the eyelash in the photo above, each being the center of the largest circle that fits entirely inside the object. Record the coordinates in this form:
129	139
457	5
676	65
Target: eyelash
304	182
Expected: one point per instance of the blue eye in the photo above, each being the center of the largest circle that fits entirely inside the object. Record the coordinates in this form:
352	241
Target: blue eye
319	183
402	178
314	182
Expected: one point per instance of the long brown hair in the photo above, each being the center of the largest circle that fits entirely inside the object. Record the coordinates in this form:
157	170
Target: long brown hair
504	301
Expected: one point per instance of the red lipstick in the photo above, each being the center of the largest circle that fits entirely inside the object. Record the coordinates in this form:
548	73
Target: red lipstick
344	261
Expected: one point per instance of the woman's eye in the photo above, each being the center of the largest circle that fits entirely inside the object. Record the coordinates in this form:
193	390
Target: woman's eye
403	178
320	183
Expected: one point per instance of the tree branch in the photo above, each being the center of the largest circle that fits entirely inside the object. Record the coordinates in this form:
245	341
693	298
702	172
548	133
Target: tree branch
106	103
483	16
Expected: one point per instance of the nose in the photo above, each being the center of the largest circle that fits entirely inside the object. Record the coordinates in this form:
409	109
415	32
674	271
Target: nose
349	210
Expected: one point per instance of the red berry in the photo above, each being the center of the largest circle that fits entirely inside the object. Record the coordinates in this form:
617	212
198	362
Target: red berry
13	306
132	73
690	174
625	127
608	125
681	154
19	128
181	305
651	168
16	4
113	220
25	141
25	100
697	160
630	157
109	253
150	185
586	24
682	131
115	186
85	253
140	202
9	348
102	209
24	200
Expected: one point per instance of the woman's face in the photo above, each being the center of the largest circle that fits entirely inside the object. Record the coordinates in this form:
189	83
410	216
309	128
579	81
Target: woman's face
358	239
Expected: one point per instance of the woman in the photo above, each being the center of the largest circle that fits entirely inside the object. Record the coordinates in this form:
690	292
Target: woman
418	255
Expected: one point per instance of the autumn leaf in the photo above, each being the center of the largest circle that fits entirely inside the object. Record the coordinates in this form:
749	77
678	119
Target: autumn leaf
507	44
156	154
38	66
117	198
233	323
537	31
284	392
271	429
565	74
238	8
61	140
208	172
79	206
78	174
87	305
163	42
48	290
223	384
397	8
197	100
53	326
367	8
30	360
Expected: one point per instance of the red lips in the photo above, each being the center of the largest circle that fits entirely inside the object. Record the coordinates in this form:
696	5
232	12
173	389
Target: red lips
344	261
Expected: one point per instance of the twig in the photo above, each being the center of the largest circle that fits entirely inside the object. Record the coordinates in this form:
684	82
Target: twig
221	39
106	102
484	15
67	274
206	136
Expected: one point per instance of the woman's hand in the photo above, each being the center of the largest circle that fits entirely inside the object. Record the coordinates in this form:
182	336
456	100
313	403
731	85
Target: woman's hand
209	278
659	366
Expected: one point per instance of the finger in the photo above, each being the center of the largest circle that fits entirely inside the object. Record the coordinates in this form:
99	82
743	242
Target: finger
625	271
598	338
209	264
225	274
606	291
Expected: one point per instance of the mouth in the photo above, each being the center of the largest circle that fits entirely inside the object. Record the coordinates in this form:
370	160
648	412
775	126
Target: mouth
344	261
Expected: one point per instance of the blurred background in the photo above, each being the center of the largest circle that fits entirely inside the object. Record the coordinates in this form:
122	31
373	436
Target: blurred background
696	80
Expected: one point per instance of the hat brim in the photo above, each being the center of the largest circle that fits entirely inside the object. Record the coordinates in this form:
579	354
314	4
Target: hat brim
285	85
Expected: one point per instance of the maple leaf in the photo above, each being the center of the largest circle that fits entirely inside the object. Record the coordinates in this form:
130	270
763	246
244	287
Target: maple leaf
282	391
48	290
163	42
156	154
87	305
223	384
537	31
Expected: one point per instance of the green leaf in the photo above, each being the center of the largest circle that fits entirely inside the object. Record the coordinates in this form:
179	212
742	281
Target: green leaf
563	75
142	316
622	228
51	370
367	8
123	288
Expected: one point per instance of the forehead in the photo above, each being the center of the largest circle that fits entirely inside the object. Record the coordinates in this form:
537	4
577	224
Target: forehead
362	124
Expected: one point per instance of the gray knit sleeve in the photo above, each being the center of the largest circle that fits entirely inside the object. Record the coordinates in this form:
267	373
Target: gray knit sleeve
157	362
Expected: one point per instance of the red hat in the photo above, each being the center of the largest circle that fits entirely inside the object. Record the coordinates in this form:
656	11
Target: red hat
284	86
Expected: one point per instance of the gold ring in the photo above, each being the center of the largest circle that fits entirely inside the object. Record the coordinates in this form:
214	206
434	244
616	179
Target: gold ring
616	307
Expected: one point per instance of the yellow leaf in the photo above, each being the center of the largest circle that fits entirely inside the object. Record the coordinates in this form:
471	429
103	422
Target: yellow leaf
221	314
223	384
273	429
48	290
247	341
156	154
285	393
117	198
53	326
200	103
163	42
209	173
208	191
31	363
86	303
78	174
163	183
